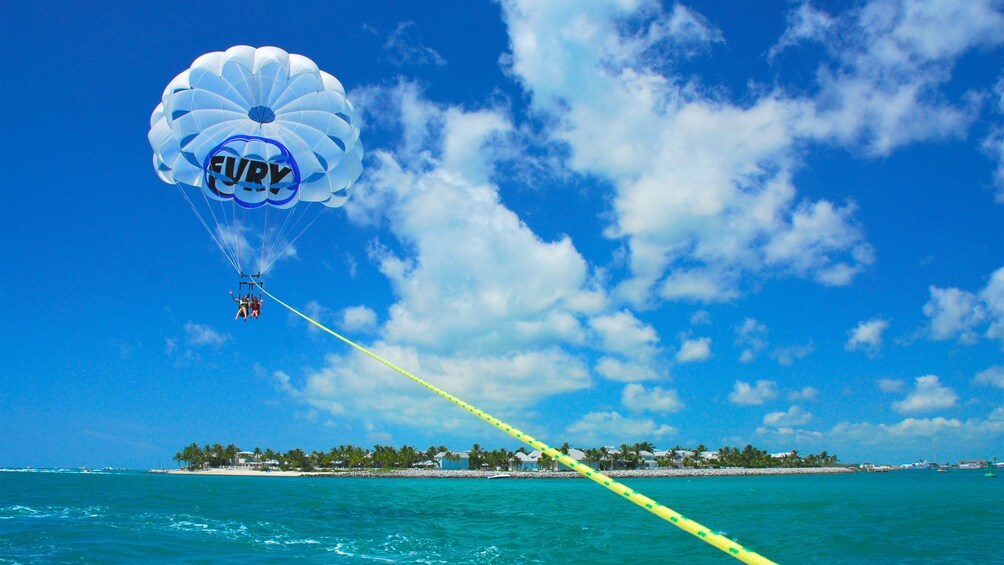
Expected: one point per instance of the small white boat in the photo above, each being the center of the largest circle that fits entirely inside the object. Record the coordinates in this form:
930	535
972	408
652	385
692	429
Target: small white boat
500	476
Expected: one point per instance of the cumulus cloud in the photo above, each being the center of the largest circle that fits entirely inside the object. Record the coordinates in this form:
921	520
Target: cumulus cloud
901	440
624	334
993	144
199	335
358	318
694	350
751	336
912	432
700	318
637	398
316	311
503	384
994	376
745	394
471	275
888	59
795	416
927	395
626	371
807	393
891	385
953	313
788	355
610	428
966	316
867	337
704	194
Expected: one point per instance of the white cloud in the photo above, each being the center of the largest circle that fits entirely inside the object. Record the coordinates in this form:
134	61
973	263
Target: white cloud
624	334
805	23
700	318
703	196
867	336
993	144
807	393
993	300
928	395
694	350
994	376
890	57
469	275
795	416
284	384
897	442
358	318
637	398
610	428
318	313
404	46
199	334
626	371
752	337
745	394
503	385
891	385
788	355
913	433
953	313
957	314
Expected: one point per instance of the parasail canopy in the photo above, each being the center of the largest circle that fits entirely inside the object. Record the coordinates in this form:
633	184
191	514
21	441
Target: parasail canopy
249	136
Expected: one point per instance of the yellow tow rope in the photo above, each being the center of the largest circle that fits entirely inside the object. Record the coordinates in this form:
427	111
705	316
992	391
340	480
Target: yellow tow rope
704	534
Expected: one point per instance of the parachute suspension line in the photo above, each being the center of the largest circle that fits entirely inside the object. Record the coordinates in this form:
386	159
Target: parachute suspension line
227	244
214	236
264	232
221	220
238	227
281	231
704	534
275	257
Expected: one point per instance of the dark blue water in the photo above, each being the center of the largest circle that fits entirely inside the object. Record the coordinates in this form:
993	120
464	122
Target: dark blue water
899	517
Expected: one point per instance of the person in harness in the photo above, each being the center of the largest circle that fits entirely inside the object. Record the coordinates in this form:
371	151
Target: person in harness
243	303
255	306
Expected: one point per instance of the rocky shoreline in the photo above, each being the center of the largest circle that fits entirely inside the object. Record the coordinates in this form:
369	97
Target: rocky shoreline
441	474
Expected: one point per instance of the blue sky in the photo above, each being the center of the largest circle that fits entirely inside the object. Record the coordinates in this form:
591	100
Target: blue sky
777	223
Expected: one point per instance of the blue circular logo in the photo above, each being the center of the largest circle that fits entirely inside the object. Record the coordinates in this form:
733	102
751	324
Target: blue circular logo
252	170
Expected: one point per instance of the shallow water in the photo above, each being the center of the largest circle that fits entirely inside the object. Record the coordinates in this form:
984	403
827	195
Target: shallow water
899	517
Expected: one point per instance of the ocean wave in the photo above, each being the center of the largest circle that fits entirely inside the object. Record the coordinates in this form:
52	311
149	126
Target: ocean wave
17	511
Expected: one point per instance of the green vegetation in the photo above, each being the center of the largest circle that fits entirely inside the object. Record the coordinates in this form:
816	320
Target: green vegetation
625	456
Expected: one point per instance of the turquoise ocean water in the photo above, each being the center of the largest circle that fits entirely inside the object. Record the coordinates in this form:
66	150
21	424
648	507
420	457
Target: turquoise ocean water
134	517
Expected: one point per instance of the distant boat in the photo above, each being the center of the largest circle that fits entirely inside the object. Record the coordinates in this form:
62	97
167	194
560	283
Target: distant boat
500	476
878	468
922	464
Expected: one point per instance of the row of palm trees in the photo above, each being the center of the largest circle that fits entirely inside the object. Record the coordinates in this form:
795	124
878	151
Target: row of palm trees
626	456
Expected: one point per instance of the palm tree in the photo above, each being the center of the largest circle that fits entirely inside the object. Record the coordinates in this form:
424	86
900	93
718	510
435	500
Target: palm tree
407	456
604	458
476	457
545	462
629	456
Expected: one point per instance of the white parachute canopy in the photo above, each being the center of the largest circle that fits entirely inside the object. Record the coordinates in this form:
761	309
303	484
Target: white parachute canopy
246	135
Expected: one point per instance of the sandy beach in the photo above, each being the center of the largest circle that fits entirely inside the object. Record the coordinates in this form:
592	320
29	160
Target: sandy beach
439	474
